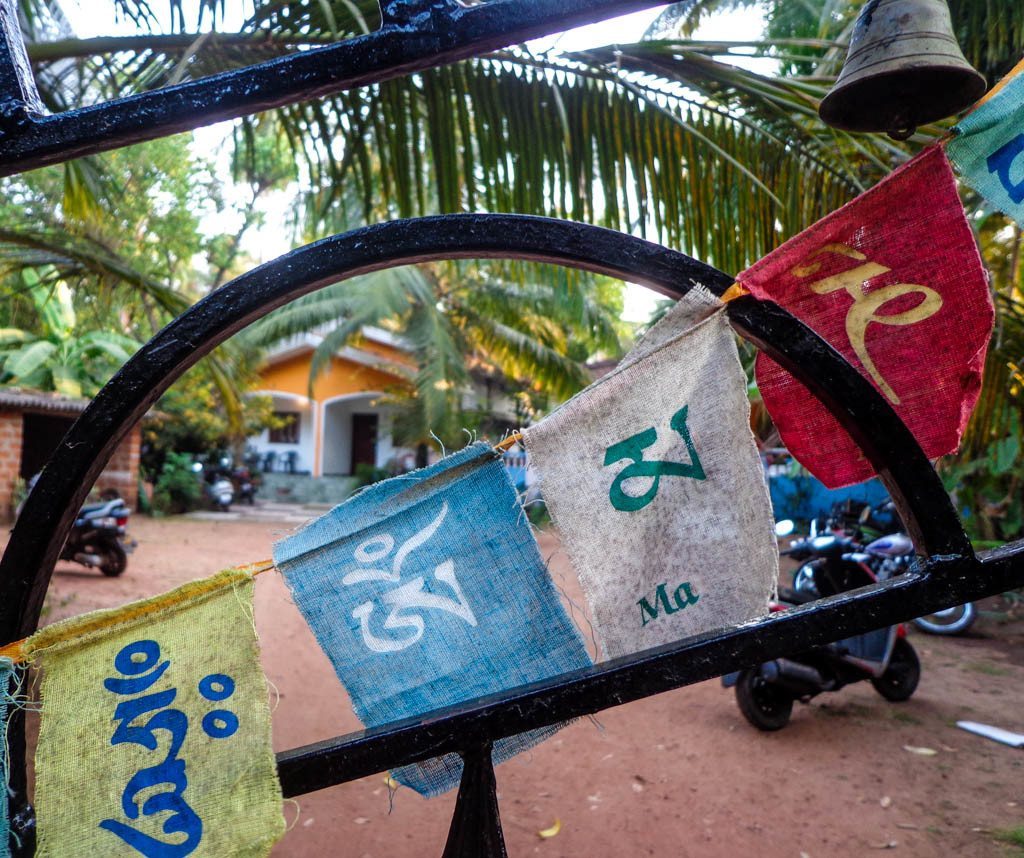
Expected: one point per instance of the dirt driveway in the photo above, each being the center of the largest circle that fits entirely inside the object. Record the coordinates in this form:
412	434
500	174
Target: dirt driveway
680	774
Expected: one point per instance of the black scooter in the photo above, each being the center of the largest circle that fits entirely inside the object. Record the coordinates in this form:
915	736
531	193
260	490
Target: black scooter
98	538
765	694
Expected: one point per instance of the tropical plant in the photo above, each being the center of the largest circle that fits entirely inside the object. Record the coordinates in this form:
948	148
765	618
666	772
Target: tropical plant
192	418
672	137
118	263
458	319
59	356
177	488
581	136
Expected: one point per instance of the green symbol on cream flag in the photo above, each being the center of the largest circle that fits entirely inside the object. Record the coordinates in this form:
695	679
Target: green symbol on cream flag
633	449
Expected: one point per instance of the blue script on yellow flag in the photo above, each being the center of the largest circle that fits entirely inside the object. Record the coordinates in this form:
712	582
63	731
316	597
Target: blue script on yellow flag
988	148
428	590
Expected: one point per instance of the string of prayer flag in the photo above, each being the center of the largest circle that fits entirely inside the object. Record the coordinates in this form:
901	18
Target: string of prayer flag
6	673
894	282
988	146
653	478
428	590
155	732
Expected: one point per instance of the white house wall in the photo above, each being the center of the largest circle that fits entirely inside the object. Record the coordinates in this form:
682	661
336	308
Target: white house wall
306	448
336	452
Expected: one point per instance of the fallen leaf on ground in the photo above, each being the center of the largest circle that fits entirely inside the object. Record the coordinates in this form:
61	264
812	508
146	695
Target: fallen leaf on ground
552	831
924	752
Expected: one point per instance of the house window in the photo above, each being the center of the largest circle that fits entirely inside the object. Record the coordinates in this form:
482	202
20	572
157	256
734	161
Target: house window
288	432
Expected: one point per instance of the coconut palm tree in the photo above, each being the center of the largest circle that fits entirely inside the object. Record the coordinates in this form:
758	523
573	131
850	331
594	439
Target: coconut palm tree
458	319
672	137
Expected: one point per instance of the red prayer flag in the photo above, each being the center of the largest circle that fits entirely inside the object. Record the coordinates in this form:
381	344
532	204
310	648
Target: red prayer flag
894	281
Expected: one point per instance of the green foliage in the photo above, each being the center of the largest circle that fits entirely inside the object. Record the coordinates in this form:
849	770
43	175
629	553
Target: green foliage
192	418
366	475
1012	836
128	218
670	137
987	488
60	357
457	320
177	488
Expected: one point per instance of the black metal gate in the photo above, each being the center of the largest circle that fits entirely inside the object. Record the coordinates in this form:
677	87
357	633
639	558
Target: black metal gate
415	35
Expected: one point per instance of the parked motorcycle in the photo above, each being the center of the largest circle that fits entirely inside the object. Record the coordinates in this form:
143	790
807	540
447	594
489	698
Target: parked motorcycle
765	694
887	555
217	485
244	485
98	538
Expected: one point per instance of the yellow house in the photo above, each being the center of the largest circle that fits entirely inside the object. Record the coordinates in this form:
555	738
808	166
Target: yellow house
344	423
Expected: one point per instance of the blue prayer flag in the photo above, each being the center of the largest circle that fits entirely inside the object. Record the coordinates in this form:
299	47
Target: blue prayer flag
989	146
428	590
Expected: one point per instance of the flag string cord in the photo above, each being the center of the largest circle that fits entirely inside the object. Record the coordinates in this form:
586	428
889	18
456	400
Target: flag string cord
15	650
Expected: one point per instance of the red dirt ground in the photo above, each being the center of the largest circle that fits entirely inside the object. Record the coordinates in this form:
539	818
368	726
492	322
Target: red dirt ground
680	774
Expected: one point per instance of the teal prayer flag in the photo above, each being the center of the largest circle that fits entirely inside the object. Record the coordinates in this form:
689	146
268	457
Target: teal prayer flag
428	590
6	671
988	148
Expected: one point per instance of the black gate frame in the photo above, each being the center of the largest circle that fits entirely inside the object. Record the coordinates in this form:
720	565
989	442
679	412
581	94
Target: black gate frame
415	35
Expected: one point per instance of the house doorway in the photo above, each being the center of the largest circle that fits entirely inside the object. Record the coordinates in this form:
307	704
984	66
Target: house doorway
364	440
356	431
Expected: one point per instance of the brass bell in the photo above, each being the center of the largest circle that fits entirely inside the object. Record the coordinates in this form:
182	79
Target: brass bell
904	69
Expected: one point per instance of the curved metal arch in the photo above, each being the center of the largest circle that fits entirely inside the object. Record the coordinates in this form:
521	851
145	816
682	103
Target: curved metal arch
28	561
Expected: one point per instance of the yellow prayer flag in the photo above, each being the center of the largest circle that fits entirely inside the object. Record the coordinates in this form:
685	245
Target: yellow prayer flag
155	733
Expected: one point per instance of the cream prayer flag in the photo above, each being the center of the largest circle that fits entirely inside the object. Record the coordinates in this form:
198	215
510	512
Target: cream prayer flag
155	734
654	481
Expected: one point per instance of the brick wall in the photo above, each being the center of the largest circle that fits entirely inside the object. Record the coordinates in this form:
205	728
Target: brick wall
10	460
121	473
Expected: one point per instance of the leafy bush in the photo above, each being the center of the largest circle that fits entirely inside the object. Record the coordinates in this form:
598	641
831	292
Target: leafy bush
177	490
366	474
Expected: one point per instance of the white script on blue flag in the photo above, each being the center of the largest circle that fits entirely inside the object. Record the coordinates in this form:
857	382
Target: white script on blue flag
405	602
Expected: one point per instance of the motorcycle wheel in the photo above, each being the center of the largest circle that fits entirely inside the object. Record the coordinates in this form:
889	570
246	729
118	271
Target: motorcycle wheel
115	561
900	679
952	621
764	705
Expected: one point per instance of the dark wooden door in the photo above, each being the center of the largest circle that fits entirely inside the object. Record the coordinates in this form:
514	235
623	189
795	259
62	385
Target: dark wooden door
40	435
364	440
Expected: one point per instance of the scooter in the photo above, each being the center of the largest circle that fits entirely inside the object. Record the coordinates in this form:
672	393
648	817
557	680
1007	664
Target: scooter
888	555
765	693
219	490
98	538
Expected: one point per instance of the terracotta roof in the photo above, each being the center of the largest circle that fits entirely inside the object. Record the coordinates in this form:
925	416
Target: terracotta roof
18	399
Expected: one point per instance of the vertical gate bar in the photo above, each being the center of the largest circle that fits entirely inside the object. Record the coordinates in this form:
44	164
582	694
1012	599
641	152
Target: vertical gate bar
476	823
